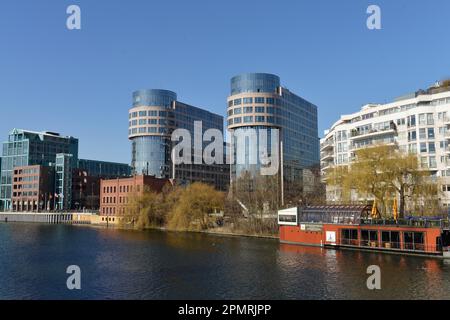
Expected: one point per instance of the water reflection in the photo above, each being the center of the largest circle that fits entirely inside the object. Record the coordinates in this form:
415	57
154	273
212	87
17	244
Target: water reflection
127	264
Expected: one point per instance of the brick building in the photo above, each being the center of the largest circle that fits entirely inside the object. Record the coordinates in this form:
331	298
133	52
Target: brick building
115	194
33	188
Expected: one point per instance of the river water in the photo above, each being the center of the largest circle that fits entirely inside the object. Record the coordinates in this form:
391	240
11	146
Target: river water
124	264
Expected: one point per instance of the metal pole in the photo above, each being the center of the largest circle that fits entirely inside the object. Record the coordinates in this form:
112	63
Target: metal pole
282	172
173	163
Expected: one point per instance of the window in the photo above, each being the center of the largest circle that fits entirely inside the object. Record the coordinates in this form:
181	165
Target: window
237	110
248	100
422	134
432	162
390	239
423	147
412	135
270	101
237	120
430	133
369	238
423	162
422	119
142	113
349	236
414	241
431	147
411	121
259	100
237	102
270	110
260	119
248	109
248	119
430	119
259	109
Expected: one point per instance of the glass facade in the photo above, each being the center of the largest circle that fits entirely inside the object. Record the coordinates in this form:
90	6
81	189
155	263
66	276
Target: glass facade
248	140
104	169
254	82
25	148
155	114
258	101
63	181
151	156
154	97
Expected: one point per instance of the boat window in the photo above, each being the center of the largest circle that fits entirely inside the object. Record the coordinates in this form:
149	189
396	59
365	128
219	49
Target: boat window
390	239
414	240
349	236
369	238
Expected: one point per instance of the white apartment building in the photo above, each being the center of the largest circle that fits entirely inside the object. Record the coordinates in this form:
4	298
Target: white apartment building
417	123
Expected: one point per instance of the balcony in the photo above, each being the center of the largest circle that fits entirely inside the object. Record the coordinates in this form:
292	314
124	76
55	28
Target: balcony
329	144
354	147
326	156
372	133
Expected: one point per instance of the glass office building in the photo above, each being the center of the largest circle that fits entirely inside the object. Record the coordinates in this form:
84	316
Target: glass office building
258	103
50	149
63	181
104	169
154	115
25	148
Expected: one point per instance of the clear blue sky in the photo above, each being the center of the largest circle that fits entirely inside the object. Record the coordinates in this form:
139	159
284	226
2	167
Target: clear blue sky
79	83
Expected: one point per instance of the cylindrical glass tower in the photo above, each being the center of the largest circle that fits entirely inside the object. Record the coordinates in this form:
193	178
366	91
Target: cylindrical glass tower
252	108
150	124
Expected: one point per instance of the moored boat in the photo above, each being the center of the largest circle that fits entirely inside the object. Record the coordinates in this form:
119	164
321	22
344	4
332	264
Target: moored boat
354	227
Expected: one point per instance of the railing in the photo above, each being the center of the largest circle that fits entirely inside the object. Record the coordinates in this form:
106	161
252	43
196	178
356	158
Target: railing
327	144
391	245
407	222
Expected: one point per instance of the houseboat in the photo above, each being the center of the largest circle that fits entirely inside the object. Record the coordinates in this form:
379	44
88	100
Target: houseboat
354	227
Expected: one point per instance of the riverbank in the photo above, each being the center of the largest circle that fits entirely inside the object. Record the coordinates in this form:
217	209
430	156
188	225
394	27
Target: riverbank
86	219
216	231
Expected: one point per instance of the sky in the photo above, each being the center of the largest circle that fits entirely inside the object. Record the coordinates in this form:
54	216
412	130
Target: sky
80	82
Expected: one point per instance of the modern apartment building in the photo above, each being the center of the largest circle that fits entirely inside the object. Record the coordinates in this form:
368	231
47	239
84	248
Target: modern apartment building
418	123
258	102
153	117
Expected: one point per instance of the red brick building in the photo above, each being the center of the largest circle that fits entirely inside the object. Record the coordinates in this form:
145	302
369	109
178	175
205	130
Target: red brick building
33	188
115	194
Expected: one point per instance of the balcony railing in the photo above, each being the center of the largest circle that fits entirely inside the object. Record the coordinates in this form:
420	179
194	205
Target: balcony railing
372	132
327	144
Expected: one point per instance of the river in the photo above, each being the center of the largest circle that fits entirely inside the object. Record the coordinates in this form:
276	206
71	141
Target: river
127	264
